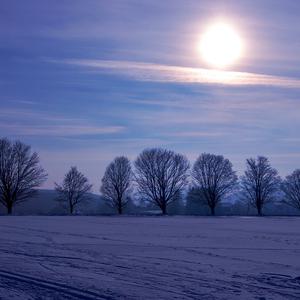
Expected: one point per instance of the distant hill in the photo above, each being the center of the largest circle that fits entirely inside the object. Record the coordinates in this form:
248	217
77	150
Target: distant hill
45	203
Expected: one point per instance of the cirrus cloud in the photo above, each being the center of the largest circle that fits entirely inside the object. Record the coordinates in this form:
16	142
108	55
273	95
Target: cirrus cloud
143	71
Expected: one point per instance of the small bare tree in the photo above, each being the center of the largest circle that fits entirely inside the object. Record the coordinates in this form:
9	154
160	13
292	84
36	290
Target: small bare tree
214	178
116	183
291	188
260	182
74	189
20	173
161	175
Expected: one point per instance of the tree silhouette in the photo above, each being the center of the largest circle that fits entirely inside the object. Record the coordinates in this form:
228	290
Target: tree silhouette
260	182
214	179
20	173
291	188
161	175
116	183
74	189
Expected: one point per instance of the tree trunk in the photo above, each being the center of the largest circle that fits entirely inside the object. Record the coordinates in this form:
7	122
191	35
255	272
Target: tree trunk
259	210
9	209
71	209
120	210
212	210
163	209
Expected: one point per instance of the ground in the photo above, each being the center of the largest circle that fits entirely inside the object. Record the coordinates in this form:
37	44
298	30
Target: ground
149	258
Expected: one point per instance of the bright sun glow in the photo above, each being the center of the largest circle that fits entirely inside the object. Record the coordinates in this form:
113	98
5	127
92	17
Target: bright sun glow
220	45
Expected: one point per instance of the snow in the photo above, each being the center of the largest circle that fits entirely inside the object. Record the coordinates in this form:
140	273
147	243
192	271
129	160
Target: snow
149	257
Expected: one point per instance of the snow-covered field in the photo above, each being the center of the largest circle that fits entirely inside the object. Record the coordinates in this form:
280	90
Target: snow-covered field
149	258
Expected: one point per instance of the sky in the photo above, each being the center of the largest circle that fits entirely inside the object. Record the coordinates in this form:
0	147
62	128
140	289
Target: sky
85	81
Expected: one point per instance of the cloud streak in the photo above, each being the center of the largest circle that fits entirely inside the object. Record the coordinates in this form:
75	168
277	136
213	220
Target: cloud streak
59	130
142	71
28	123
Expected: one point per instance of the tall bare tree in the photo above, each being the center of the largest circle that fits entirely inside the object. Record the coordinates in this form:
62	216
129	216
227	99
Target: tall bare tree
161	176
214	178
291	188
74	189
260	182
20	173
116	183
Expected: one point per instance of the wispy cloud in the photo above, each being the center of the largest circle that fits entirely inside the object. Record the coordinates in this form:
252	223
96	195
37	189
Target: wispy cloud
59	130
142	71
197	134
28	123
36	115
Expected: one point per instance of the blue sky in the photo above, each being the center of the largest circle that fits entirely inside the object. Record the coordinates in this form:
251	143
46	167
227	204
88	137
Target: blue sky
85	81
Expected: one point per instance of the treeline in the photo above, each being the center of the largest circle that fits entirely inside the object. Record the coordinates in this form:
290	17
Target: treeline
159	177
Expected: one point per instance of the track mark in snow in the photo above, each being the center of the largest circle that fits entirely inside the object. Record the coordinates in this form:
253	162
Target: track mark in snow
54	286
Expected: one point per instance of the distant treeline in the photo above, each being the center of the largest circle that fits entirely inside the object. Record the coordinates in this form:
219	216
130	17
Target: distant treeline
158	179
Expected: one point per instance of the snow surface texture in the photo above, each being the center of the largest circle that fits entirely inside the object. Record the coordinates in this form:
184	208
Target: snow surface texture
149	258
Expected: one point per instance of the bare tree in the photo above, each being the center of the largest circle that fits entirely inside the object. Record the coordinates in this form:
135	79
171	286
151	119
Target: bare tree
161	175
20	173
214	178
291	188
116	183
260	182
74	189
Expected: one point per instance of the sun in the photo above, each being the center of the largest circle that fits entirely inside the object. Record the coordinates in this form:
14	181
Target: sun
220	45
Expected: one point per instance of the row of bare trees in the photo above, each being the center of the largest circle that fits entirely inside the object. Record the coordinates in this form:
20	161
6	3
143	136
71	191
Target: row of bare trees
159	176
